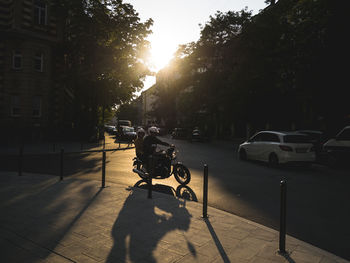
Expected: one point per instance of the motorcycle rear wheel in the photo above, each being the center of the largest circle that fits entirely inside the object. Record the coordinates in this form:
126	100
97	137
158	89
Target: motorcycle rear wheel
182	174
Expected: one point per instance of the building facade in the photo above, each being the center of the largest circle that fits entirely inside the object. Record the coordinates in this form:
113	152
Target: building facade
148	100
29	84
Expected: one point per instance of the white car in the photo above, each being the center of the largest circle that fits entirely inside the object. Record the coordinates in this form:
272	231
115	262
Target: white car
338	148
278	147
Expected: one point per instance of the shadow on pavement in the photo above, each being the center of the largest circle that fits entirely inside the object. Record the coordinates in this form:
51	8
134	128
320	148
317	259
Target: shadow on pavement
252	190
41	211
141	225
182	191
288	258
50	163
217	241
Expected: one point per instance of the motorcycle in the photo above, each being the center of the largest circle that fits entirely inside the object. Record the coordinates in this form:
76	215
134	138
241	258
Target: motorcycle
162	165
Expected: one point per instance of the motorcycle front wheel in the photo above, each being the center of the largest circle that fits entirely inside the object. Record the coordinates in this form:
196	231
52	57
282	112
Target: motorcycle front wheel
182	174
140	167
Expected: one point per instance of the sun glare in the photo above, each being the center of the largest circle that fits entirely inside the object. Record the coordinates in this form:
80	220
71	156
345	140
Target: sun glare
161	54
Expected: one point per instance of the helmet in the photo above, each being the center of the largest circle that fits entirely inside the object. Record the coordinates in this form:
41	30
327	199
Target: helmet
141	131
153	129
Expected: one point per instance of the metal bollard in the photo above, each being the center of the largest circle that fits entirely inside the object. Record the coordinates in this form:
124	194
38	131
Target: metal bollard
61	165
104	142
103	169
205	191
149	186
20	160
282	241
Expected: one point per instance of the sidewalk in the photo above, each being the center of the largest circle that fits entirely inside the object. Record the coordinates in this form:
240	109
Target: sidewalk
55	147
75	220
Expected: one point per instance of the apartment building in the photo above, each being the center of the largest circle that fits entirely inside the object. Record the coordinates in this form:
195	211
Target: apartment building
148	99
30	94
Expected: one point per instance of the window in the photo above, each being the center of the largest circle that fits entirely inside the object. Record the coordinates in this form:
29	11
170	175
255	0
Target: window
17	59
257	138
38	61
40	12
201	70
297	139
128	129
265	137
15	105
36	106
270	137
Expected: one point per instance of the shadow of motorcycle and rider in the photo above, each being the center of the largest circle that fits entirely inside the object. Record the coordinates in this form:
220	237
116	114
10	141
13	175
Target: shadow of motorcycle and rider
142	223
182	191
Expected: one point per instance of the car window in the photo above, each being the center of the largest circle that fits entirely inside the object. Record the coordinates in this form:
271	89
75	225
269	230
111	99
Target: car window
297	139
313	135
270	137
257	138
124	122
128	129
344	135
264	137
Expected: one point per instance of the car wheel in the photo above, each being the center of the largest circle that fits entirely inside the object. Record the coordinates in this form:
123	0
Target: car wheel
242	155
273	159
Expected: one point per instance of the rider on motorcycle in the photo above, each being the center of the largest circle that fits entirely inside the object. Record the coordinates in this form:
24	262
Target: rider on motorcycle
139	143
150	143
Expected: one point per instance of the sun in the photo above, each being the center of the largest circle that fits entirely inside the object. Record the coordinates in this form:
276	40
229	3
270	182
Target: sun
161	53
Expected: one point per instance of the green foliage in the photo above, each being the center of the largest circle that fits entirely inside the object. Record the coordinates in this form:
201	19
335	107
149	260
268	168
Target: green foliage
104	49
128	111
276	67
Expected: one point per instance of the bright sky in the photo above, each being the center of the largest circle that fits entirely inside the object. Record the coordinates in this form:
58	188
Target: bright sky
177	22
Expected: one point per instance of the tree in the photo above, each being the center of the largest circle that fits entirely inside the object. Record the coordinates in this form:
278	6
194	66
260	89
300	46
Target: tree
105	50
281	66
128	111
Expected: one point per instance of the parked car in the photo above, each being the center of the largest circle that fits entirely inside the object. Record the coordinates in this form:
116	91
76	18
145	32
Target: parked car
126	133
318	139
114	131
109	128
120	124
338	148
124	123
197	135
278	147
179	133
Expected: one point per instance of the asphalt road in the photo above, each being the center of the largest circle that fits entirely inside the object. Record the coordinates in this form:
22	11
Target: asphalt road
317	197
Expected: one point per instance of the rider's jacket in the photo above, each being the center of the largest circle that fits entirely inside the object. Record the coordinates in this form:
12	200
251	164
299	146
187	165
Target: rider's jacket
148	144
139	146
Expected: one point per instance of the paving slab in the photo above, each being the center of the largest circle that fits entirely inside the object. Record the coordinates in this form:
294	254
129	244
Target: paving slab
43	219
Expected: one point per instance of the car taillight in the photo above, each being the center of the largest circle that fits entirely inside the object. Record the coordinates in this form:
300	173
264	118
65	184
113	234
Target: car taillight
286	148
